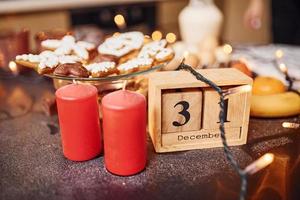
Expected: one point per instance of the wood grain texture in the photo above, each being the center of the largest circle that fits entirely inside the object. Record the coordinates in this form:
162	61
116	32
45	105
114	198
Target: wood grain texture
171	108
236	104
183	79
201	137
204	110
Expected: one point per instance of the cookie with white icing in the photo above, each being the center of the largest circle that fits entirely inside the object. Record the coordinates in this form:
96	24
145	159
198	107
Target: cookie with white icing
68	59
87	45
101	69
144	63
51	44
122	44
164	55
128	67
24	60
151	49
46	61
68	45
136	64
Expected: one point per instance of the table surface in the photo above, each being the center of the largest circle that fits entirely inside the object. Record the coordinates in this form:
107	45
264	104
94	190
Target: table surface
32	165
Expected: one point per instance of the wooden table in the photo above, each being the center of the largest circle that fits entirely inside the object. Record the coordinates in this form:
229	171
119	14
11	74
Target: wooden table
32	165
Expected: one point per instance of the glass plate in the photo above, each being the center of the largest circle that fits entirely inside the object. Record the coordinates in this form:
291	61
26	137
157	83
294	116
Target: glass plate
108	78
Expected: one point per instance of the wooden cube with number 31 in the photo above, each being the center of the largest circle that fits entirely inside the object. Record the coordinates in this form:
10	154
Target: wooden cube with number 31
184	112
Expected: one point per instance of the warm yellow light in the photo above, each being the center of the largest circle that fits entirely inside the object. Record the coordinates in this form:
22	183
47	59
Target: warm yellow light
120	21
171	37
260	163
290	125
185	54
116	34
13	67
239	89
227	48
283	67
156	35
279	53
268	158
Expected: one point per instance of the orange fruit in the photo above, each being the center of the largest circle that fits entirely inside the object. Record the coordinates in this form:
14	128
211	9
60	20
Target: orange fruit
242	67
264	85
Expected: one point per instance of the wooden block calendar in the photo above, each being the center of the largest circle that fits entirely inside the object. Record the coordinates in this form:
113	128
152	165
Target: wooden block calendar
184	112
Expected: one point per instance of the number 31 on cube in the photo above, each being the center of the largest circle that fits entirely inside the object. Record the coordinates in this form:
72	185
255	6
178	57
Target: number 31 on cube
184	112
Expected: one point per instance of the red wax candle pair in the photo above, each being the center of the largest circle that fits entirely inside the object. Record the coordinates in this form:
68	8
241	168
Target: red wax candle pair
124	127
79	121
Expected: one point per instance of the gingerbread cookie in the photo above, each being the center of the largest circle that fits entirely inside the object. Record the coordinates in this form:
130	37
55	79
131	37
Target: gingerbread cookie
136	64
122	44
46	61
158	51
67	46
101	69
164	55
151	49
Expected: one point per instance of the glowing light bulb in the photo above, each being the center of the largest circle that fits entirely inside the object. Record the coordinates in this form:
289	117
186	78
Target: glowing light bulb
279	53
239	89
116	34
156	35
120	21
13	67
283	67
290	125
171	37
227	48
260	163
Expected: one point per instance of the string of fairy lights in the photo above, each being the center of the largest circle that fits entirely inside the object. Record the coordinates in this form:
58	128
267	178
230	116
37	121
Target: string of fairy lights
257	165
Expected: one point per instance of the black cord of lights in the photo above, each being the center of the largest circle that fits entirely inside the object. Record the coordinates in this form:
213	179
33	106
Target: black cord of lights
229	156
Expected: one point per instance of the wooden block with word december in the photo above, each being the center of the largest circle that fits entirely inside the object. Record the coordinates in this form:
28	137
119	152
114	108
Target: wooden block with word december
183	111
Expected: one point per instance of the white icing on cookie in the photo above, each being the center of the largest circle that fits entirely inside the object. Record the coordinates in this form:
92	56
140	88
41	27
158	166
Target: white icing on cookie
23	57
143	61
68	39
29	57
128	65
33	58
51	44
152	48
87	45
81	52
156	45
47	53
122	44
136	62
134	39
67	45
48	62
68	59
48	59
164	54
100	67
63	50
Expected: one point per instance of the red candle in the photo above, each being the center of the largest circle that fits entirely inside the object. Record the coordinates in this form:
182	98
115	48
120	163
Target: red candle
124	132
79	121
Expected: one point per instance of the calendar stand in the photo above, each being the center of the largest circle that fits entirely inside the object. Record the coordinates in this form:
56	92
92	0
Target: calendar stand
184	112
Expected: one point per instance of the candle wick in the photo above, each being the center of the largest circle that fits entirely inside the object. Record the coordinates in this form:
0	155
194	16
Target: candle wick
124	85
